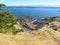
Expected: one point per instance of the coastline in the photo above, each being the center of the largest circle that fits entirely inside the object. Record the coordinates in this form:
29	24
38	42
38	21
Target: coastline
47	35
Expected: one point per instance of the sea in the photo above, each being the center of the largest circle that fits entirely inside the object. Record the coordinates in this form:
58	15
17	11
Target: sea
34	12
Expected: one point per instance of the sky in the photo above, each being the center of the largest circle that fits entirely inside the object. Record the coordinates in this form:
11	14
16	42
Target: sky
31	2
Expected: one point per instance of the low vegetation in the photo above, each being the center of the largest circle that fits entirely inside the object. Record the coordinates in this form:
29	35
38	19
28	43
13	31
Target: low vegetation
11	30
7	21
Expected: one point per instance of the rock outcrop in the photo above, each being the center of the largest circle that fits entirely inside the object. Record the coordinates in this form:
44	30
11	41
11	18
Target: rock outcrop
27	23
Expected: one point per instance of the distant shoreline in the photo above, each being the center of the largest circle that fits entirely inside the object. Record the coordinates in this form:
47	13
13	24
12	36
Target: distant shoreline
32	6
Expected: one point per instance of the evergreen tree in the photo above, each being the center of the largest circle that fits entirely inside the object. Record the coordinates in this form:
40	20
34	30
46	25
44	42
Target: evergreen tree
6	18
1	5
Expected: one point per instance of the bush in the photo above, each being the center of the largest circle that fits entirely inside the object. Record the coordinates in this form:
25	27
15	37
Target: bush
3	30
7	20
11	30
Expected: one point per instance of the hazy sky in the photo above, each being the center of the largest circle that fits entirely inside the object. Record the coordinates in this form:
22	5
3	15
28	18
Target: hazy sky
31	2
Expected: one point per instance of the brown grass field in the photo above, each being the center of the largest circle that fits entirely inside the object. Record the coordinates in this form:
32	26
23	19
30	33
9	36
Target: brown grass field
44	36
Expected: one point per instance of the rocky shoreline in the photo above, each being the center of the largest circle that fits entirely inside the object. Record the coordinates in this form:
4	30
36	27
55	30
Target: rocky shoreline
28	23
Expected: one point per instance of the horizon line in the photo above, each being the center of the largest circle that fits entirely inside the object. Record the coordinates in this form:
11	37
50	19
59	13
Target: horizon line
37	4
33	6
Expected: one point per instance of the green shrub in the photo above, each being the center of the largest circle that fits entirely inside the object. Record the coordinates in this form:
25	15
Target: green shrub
7	20
3	30
11	30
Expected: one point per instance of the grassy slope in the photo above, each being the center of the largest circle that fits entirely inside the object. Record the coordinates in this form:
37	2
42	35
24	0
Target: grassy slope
44	36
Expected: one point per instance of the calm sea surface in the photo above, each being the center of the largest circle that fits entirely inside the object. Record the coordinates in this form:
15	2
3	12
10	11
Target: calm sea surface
35	12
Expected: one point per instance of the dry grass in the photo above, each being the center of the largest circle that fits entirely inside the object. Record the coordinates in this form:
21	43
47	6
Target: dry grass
44	36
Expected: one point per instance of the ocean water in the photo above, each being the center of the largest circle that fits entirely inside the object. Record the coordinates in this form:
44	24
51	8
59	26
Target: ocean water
34	12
